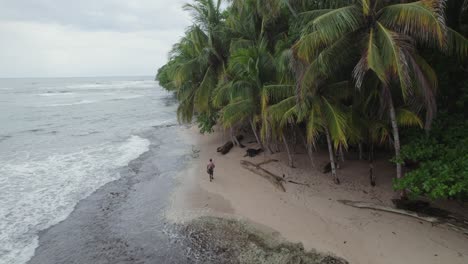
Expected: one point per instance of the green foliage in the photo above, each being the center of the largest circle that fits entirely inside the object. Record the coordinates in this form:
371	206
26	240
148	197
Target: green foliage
442	158
347	69
206	122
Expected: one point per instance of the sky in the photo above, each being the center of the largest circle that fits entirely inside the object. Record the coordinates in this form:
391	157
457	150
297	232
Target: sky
74	38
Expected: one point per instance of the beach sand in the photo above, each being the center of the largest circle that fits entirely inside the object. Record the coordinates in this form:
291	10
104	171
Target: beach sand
311	215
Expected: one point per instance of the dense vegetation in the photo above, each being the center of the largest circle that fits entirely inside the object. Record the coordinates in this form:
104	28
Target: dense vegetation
351	73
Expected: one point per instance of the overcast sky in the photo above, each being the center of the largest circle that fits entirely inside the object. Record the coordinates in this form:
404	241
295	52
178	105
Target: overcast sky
64	38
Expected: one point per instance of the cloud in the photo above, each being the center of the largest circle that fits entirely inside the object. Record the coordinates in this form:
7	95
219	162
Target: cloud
87	38
115	15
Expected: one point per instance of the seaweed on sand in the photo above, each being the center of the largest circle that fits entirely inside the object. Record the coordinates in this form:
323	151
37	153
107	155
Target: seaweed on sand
219	240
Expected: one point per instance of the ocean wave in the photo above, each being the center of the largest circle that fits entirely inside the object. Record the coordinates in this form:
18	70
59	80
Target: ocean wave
74	103
36	194
113	85
60	93
126	97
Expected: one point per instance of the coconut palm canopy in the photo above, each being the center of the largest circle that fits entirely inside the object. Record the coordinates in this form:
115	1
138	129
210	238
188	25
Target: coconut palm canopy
348	73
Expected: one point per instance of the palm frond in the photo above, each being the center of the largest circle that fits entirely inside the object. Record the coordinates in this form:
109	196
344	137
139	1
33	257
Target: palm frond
370	60
426	80
423	20
405	117
336	23
336	123
204	91
314	127
236	111
282	111
393	47
278	92
457	44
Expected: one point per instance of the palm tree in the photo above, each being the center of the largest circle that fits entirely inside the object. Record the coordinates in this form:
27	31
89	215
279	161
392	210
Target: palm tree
198	60
249	68
385	34
370	126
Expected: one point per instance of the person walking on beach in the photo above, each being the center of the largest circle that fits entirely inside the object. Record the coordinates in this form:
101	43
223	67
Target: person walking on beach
210	168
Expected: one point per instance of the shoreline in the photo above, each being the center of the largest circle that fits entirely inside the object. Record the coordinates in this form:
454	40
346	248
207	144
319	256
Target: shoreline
311	216
122	222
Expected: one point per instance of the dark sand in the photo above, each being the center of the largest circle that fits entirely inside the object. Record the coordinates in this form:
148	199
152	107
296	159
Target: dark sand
122	222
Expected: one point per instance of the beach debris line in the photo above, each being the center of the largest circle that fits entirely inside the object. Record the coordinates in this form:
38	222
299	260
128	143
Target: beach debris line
224	149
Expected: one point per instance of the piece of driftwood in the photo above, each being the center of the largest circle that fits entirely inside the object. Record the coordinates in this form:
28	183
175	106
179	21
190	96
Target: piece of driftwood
225	148
266	162
276	180
299	183
228	145
457	225
378	207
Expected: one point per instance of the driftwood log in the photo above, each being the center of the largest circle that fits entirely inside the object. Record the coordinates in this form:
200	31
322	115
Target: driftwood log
228	145
378	207
458	225
253	152
276	180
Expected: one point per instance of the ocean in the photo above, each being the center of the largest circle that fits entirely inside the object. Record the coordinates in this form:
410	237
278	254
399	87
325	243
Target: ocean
87	171
61	139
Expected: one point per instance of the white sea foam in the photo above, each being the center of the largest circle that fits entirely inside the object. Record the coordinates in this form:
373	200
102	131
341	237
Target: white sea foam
113	85
57	94
74	103
37	194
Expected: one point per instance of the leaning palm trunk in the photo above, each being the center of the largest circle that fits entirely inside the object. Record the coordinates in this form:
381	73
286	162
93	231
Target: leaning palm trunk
332	157
341	153
234	138
396	143
290	159
371	165
309	149
254	129
360	150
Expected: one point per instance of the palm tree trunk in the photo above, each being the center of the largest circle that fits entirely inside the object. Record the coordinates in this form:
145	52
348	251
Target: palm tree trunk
341	153
332	157
371	165
234	138
360	150
396	143
309	149
254	129
290	158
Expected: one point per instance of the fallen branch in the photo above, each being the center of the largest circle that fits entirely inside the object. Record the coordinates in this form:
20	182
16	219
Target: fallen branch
276	180
299	183
456	225
365	205
266	162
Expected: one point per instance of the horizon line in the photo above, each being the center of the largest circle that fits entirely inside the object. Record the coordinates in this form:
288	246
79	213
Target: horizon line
55	77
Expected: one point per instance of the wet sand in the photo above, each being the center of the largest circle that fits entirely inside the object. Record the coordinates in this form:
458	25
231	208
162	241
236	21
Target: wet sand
311	215
122	221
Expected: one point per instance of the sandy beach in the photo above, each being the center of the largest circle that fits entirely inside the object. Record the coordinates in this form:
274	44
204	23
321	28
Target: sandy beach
311	214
